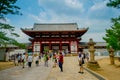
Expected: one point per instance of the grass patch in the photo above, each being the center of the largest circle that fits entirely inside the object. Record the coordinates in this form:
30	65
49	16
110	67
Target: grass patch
6	65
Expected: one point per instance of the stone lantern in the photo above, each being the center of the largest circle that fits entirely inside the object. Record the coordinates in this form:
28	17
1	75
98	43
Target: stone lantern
91	49
111	54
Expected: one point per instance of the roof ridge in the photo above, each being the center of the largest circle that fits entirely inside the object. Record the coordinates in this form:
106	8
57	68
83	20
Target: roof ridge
54	23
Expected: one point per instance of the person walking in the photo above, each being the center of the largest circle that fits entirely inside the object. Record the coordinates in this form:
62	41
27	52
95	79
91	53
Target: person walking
30	60
81	58
37	60
46	58
19	59
23	60
61	62
54	60
87	56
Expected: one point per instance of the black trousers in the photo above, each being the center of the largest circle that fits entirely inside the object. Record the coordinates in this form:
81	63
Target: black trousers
29	64
61	66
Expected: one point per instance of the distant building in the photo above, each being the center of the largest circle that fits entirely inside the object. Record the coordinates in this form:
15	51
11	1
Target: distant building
55	36
4	51
9	50
100	47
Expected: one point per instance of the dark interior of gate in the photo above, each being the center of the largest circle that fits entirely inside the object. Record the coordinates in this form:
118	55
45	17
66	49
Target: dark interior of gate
56	47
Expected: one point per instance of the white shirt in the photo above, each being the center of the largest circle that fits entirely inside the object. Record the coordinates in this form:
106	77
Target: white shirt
81	57
23	57
37	58
30	58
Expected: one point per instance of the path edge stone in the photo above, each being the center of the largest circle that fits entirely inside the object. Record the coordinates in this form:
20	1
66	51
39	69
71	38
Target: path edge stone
98	76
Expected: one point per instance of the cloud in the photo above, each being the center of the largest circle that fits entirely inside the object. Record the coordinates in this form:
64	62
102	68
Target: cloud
23	37
98	6
86	13
74	4
4	20
99	10
69	7
97	37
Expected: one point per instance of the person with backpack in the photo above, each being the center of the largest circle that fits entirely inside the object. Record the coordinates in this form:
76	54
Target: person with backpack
37	60
81	58
54	60
46	58
23	59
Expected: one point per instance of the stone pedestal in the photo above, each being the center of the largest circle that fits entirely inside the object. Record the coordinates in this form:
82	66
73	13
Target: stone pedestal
93	65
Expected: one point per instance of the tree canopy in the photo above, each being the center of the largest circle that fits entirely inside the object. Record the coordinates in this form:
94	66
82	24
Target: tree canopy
114	3
113	34
6	30
8	7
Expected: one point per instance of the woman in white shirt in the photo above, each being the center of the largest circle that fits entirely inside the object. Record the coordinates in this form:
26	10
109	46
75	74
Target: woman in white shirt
30	59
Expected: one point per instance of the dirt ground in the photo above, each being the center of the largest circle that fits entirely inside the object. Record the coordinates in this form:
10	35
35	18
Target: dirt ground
6	65
111	72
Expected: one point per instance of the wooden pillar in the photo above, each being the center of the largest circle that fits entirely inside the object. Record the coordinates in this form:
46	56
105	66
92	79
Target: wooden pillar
77	45
70	46
40	47
60	46
33	46
50	45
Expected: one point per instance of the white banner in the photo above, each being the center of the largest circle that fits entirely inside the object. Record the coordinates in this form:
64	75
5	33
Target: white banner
36	47
73	46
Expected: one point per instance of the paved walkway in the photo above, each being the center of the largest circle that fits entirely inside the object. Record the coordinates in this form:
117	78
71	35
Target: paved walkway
70	71
34	73
41	72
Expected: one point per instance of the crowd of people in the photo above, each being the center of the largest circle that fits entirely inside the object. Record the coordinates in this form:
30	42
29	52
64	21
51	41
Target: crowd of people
28	59
57	59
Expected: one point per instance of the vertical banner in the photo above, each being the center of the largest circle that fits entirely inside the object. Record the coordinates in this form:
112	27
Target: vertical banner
36	47
73	46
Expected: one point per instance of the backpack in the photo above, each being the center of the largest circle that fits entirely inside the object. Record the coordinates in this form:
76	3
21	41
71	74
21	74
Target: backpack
83	55
47	58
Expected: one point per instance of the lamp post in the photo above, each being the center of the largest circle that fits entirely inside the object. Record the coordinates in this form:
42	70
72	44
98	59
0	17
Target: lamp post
91	49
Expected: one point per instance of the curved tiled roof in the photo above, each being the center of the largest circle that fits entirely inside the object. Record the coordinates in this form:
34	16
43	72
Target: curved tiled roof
55	26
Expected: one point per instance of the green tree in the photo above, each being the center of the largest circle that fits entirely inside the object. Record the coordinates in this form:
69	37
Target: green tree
6	30
113	34
8	7
114	3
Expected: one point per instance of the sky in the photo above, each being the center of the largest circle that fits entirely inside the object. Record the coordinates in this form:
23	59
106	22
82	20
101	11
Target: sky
86	13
